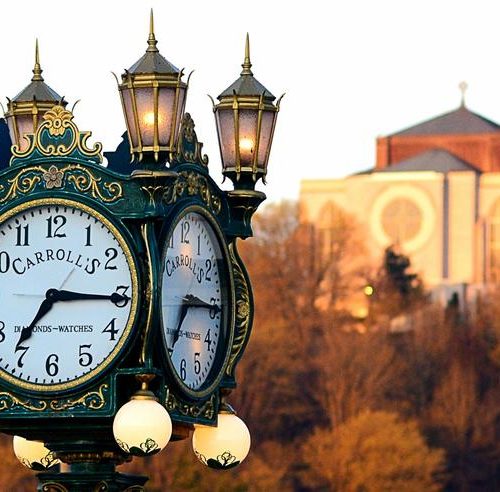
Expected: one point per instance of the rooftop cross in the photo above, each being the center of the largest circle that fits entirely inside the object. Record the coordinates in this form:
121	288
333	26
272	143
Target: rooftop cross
463	86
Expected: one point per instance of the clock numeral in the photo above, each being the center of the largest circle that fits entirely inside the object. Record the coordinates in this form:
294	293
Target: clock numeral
171	242
87	242
4	261
185	232
20	362
110	328
51	364
22	235
183	369
110	253
198	246
208	266
213	310
122	290
197	363
85	357
2	333
208	339
54	224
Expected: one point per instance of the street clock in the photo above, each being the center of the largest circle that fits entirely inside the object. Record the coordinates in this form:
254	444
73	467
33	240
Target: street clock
69	294
124	304
197	301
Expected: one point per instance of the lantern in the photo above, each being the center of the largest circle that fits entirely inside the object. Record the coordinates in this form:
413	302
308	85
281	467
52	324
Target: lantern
25	111
153	98
245	118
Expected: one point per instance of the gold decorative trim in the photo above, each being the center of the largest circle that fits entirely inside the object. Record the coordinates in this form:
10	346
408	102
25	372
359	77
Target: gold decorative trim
54	487
134	296
243	309
188	148
57	122
8	401
81	178
207	410
193	184
94	400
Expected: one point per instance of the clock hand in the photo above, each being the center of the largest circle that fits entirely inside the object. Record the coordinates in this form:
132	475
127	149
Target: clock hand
182	315
66	295
26	332
193	301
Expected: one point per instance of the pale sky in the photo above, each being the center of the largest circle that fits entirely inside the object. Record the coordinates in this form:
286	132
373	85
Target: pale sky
351	70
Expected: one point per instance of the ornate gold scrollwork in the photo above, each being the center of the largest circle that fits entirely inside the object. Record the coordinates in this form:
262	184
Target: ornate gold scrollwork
243	309
53	487
94	400
193	184
188	147
82	179
206	410
8	401
56	123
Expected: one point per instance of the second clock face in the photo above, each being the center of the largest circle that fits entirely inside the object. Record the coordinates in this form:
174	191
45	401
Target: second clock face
194	300
68	294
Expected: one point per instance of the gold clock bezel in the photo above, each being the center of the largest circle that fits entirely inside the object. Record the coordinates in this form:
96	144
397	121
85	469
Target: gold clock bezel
50	388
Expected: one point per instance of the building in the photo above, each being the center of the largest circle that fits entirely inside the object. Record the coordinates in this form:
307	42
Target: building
434	191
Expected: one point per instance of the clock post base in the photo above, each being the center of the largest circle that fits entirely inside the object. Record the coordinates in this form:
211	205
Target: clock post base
93	477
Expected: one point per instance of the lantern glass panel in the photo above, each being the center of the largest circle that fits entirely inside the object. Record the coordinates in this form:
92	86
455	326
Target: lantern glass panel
180	111
225	129
129	114
266	129
166	101
146	114
24	125
247	136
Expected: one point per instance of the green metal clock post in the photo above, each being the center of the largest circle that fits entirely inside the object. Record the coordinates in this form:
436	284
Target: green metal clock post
124	291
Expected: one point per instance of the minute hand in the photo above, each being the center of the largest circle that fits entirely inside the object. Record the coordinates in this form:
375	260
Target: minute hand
67	295
193	301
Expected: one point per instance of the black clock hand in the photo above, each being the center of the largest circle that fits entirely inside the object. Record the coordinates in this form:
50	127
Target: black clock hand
182	315
26	332
66	295
193	301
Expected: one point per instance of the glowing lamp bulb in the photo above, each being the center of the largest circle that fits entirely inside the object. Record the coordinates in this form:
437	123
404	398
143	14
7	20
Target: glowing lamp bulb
222	447
246	145
142	427
34	454
149	118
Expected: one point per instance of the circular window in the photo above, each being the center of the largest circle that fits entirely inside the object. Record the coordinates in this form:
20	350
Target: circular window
401	220
402	213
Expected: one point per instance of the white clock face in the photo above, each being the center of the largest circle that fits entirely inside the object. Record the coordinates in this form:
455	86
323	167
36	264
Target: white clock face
194	299
68	294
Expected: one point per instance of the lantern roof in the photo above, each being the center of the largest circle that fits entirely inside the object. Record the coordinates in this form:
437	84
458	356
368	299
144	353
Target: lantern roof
38	89
247	84
152	61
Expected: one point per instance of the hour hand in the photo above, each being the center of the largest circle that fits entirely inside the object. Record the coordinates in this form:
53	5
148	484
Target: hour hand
26	332
182	315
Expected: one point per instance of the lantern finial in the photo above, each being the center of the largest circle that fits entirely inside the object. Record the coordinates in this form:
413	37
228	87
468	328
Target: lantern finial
37	69
247	64
152	39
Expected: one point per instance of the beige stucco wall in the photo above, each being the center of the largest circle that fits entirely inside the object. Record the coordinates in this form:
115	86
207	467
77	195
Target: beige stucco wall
462	230
364	196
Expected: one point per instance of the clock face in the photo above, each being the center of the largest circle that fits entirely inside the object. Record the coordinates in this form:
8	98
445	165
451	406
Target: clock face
69	294
195	300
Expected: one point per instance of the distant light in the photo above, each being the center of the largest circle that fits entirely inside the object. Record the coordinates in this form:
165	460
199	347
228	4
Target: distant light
368	290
